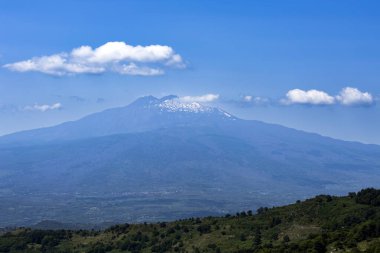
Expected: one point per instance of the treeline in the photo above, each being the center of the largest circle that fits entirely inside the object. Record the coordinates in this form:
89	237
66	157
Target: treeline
321	224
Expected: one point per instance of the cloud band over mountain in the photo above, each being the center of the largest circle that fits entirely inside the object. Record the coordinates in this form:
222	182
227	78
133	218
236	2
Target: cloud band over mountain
43	107
202	98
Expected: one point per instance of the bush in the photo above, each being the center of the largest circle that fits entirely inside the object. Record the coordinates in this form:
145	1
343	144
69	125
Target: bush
204	229
369	196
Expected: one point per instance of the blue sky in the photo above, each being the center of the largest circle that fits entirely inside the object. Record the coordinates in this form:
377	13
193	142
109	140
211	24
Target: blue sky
310	65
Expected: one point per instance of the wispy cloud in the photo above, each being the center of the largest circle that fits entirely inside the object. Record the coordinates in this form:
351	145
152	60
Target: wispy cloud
43	107
77	99
8	108
348	96
117	57
255	100
248	100
202	99
100	100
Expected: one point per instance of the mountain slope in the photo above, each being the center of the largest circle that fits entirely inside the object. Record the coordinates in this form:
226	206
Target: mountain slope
170	159
186	155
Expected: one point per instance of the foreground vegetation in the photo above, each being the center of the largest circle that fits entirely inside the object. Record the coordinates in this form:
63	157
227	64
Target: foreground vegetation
321	224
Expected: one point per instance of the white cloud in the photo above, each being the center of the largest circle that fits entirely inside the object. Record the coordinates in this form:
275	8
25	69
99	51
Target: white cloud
134	70
58	64
313	97
347	96
43	108
116	57
353	96
253	100
202	99
247	98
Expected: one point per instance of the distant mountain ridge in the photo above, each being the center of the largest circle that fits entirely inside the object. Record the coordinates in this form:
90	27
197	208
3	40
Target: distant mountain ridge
146	113
159	159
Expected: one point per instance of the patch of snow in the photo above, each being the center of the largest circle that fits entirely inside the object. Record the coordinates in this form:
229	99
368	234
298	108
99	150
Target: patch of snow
227	114
174	105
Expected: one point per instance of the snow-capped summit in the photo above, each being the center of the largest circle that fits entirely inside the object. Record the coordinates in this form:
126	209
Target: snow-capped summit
173	103
145	113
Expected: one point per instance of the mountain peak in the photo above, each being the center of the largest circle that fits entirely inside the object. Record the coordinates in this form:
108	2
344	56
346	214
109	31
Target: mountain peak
173	103
151	100
176	105
145	113
169	97
142	101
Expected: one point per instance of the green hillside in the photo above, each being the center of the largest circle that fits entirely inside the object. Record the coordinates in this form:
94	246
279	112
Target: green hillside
321	224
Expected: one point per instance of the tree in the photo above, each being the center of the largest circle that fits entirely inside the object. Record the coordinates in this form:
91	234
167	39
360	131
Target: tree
369	196
257	239
319	246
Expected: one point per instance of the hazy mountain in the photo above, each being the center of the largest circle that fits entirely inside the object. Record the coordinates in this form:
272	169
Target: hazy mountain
146	113
166	158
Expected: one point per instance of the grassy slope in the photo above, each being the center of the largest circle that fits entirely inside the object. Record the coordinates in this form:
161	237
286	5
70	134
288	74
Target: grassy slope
321	224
